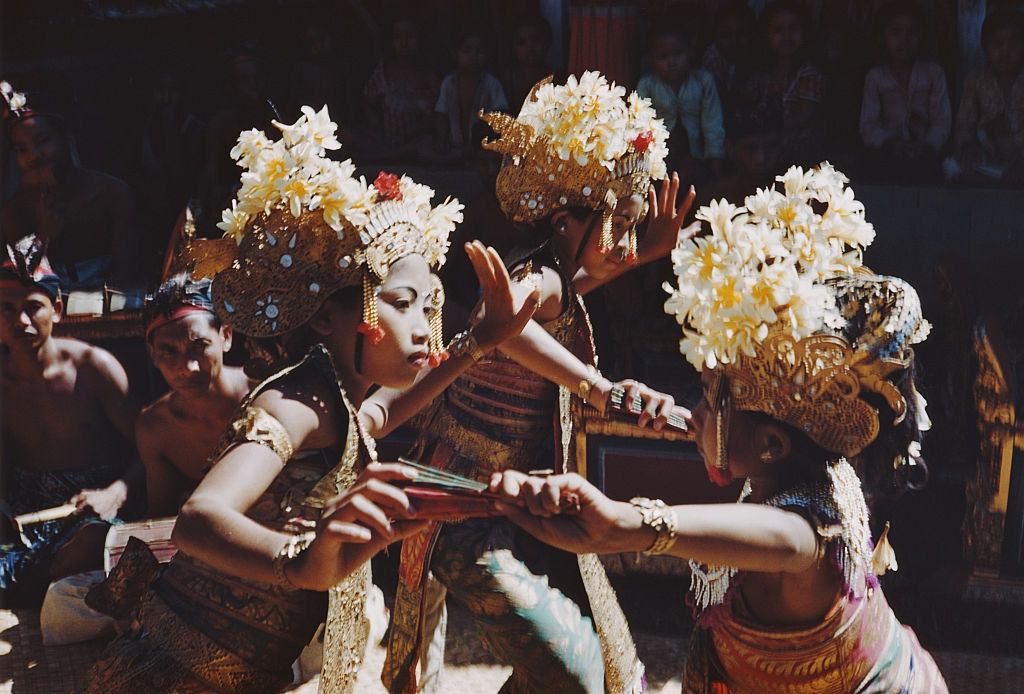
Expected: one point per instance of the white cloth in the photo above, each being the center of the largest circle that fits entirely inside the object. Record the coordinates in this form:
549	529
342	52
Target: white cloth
65	618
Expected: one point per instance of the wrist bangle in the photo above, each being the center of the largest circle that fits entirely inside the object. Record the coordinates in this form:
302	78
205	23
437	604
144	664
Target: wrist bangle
463	344
588	383
660	518
292	548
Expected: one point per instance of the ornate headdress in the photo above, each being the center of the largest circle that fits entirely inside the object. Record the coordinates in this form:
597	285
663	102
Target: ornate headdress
16	108
307	227
776	299
581	144
26	265
177	297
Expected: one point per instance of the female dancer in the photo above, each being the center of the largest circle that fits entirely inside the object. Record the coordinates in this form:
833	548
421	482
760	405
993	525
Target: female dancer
333	277
578	165
808	372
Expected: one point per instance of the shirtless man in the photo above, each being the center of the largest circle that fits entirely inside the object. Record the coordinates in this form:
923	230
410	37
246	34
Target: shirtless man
177	433
85	217
66	430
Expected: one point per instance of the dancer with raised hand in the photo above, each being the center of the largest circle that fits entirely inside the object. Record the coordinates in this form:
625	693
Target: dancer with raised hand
808	368
576	176
334	282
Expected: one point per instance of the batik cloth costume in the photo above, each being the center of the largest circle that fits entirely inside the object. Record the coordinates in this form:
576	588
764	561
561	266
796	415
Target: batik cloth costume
553	617
28	557
306	228
775	302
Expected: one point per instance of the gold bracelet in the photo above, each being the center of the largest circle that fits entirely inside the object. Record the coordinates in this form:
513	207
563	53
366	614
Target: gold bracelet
659	517
588	383
292	548
463	344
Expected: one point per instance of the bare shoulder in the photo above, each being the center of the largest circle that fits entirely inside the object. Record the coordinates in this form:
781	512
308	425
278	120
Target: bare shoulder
99	360
305	406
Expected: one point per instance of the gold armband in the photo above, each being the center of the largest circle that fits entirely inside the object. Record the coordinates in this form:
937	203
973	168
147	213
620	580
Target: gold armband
588	383
259	426
661	519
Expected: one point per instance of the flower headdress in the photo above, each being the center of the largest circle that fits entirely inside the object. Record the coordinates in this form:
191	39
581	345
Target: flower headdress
776	298
307	227
581	144
16	108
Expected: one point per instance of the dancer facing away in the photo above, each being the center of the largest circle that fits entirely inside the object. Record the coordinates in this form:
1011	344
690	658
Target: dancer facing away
554	618
342	292
813	386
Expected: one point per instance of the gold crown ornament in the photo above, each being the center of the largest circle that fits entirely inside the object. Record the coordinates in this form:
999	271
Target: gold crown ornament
306	227
775	300
581	144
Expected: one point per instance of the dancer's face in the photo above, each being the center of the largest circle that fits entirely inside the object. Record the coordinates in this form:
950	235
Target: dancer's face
586	232
404	308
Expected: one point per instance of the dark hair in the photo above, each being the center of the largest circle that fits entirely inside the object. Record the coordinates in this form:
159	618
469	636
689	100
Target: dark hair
268	355
1000	19
532	20
738	9
900	8
467	30
884	466
181	290
794	7
665	28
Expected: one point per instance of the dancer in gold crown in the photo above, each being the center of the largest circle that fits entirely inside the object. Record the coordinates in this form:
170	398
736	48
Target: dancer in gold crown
576	175
334	280
808	372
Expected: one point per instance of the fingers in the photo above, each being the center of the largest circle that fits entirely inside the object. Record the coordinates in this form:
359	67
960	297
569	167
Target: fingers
408	528
526	312
481	266
339	532
663	194
650	408
632	394
652	202
664	410
691	195
388	471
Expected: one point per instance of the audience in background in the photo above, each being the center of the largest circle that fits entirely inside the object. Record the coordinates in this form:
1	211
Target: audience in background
729	58
400	95
684	96
531	40
466	91
905	115
991	114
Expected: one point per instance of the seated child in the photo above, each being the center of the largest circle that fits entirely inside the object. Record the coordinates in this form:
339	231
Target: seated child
684	95
531	39
984	123
905	116
464	93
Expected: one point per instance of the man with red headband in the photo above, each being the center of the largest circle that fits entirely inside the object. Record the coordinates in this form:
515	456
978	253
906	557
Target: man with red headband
177	433
66	431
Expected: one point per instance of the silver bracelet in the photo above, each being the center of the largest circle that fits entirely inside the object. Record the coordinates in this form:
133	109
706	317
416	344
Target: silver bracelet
463	344
660	518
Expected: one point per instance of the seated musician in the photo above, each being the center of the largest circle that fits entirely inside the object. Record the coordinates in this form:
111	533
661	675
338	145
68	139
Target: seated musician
84	217
177	433
66	431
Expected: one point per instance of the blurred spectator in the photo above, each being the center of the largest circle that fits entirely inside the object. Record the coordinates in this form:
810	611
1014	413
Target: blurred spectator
754	144
843	67
788	77
684	95
464	93
85	218
172	152
401	93
729	56
318	77
247	105
905	116
531	39
985	123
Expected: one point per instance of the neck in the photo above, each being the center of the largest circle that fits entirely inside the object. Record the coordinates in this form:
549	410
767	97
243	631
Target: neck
355	384
34	361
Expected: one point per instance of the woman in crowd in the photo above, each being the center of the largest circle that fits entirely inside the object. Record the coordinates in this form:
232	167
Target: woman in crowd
808	372
334	281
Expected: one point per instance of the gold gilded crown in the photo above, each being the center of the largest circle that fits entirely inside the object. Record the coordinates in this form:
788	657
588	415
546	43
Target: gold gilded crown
307	227
581	144
200	258
777	300
816	384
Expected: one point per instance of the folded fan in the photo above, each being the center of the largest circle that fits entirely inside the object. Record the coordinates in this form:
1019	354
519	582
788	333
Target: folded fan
445	496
